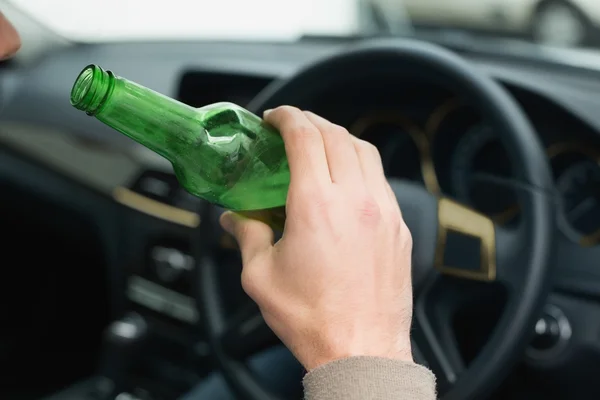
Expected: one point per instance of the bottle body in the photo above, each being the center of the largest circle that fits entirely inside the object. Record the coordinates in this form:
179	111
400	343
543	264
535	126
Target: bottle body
239	162
220	152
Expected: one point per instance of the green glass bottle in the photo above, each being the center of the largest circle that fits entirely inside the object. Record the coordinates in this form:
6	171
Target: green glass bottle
220	152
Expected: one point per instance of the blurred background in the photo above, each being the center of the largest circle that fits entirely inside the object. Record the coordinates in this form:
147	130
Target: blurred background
568	23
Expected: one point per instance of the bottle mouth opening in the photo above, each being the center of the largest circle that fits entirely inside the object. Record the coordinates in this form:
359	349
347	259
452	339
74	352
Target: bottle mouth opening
91	89
82	85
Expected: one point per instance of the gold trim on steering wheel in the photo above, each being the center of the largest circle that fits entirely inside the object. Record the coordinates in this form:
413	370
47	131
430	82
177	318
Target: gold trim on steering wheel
453	216
417	135
439	115
432	126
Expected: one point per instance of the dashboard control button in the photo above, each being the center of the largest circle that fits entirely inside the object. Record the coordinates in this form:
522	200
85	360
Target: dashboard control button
170	263
156	185
126	396
162	300
547	333
552	333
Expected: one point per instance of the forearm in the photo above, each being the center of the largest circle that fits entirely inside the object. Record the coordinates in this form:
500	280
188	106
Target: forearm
361	378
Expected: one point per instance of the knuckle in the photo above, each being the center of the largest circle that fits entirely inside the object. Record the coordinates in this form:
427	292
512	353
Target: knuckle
250	281
368	151
310	114
242	231
286	110
309	197
283	117
366	147
319	199
339	130
360	145
393	198
369	211
406	236
375	152
304	132
337	134
395	219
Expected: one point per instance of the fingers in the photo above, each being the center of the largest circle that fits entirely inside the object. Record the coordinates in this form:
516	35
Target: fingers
303	145
254	237
372	169
342	159
391	195
321	153
10	41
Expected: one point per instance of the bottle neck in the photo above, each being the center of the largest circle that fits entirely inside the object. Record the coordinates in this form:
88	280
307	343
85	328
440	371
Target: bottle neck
160	123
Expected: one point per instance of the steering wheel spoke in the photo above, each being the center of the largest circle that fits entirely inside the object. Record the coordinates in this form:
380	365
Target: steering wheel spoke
510	246
247	333
434	342
471	247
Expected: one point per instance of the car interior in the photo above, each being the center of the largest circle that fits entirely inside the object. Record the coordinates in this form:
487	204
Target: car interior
125	286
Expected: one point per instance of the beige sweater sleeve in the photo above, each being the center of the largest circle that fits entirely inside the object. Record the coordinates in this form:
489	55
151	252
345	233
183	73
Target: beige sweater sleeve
369	378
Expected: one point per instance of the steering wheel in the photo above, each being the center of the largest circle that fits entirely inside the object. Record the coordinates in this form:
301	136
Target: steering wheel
453	244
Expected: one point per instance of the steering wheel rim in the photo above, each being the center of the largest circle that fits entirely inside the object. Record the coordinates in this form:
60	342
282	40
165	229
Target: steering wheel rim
520	258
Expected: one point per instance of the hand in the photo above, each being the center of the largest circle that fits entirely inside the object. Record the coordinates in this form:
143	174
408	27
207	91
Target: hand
338	283
10	41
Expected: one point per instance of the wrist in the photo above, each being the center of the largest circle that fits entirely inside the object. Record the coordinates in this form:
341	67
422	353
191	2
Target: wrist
400	351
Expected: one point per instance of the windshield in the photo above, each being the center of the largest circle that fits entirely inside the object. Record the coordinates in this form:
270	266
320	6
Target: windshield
572	23
100	20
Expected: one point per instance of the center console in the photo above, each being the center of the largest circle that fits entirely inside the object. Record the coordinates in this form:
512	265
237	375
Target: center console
159	283
156	350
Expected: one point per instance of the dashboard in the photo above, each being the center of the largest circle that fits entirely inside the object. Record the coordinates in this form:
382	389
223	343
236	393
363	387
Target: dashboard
422	130
426	134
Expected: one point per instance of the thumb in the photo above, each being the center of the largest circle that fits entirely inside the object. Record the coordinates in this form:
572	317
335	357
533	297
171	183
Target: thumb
253	236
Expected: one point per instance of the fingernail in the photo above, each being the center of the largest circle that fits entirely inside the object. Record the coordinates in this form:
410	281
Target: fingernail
267	112
227	222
